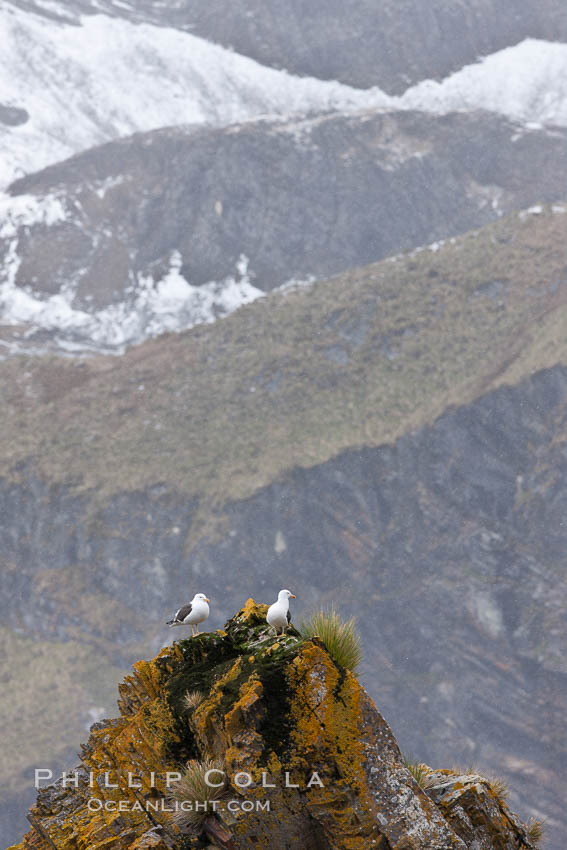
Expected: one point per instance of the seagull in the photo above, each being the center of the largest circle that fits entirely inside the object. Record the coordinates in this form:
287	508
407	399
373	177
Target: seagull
192	614
278	615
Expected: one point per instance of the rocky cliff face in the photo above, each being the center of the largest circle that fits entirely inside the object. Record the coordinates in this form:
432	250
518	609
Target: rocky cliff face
311	197
360	42
116	244
291	729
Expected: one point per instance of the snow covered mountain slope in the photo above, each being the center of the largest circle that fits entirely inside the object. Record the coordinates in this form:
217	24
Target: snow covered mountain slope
527	82
66	87
359	42
85	85
126	240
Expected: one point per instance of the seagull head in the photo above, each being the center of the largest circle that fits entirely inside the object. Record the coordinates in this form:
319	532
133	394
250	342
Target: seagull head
200	597
284	595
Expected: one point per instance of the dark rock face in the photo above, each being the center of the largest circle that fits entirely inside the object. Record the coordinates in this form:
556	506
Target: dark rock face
449	546
314	196
359	42
365	43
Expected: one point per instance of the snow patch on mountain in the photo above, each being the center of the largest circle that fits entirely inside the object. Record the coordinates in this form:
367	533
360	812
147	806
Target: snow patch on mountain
149	308
26	210
41	323
103	78
527	82
17	212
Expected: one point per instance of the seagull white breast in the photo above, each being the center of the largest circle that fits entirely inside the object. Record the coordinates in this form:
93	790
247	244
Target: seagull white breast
277	614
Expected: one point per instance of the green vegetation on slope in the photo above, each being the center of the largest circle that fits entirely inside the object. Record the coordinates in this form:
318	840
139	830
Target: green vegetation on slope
297	377
48	685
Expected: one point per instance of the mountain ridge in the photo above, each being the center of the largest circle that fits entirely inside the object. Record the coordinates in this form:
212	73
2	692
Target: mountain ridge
173	77
485	283
360	42
129	238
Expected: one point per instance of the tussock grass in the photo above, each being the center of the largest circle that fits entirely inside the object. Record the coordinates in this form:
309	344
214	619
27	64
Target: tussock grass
465	770
421	772
498	786
193	699
196	794
339	636
536	830
499	789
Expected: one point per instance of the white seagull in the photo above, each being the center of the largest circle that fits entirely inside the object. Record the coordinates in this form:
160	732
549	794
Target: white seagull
278	615
192	614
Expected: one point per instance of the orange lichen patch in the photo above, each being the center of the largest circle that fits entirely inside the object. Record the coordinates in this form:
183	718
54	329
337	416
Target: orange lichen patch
472	798
325	710
147	679
137	744
325	738
253	610
59	816
120	831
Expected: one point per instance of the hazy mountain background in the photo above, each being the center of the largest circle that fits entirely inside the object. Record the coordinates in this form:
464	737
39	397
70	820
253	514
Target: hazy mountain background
283	302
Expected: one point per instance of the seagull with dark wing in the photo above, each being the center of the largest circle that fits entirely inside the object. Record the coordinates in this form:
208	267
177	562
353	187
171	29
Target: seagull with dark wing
192	614
278	615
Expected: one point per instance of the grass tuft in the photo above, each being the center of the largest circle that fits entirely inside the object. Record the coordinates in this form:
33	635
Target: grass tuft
193	699
535	829
499	789
339	636
196	795
421	772
496	784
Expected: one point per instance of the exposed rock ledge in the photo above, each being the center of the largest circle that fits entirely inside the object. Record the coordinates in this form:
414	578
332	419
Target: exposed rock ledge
269	706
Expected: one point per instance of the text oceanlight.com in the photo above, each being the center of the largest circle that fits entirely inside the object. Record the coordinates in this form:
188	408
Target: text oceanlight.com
209	806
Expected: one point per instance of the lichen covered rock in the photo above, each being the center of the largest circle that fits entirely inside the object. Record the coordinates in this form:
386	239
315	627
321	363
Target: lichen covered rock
309	761
476	810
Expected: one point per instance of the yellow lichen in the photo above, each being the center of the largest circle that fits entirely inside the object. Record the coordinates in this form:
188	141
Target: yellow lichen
253	610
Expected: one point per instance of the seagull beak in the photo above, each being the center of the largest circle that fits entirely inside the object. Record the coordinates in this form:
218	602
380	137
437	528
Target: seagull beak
207	599
293	596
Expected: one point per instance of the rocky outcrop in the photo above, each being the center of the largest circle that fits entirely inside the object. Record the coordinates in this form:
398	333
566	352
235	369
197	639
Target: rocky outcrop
360	42
291	729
